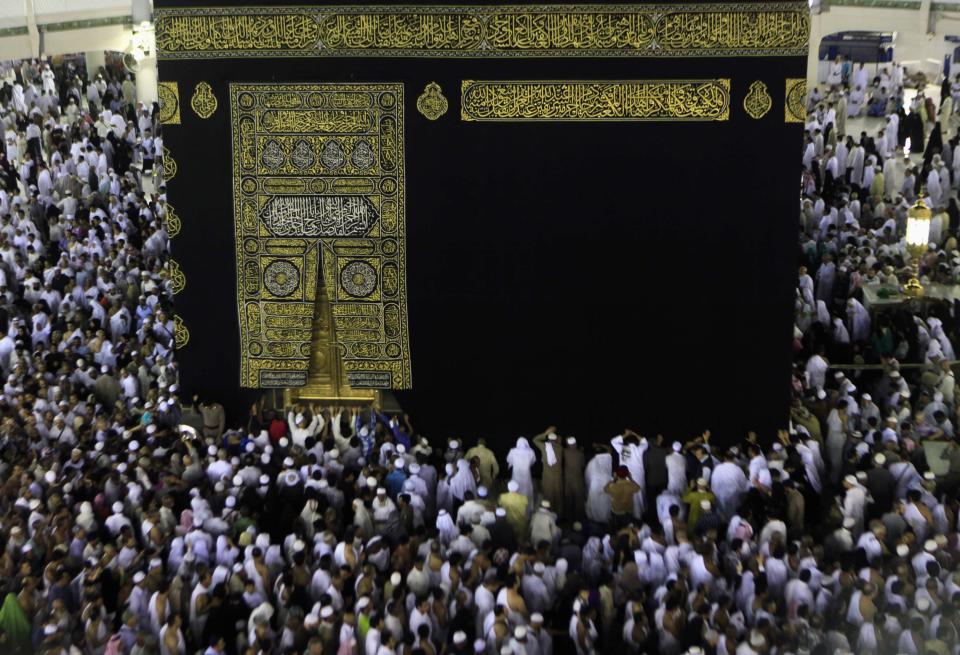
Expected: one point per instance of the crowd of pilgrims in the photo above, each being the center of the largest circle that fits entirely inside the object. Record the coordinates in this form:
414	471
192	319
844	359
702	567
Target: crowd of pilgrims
136	518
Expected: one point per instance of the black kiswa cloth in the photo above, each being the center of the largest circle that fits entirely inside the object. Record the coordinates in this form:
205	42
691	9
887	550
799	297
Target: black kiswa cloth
590	275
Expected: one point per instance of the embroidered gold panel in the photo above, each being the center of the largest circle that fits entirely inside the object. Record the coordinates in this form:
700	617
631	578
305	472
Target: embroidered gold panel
635	100
318	176
796	98
168	97
715	30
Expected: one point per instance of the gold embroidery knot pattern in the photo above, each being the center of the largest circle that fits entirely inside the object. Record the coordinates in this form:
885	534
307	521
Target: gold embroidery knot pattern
181	335
178	281
757	102
633	100
795	104
432	103
169	165
319	204
168	97
203	102
666	30
173	221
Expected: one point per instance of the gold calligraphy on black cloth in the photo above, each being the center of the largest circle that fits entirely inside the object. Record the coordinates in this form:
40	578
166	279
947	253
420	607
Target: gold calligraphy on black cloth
718	30
635	100
318	177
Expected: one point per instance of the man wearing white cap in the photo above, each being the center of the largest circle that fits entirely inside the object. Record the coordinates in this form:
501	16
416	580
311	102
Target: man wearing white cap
854	503
543	526
487	464
574	493
515	504
385	516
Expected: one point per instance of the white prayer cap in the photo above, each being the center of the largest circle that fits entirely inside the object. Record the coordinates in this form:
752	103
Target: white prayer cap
705	505
211	450
545	504
288	462
98	446
398	463
34	503
777	447
310	620
923	604
401	448
381	491
134	446
326	612
513	486
264	480
880	459
237	481
851	480
501	512
117	507
238	567
929	475
250	447
364	431
520	632
821	394
536	618
895	374
861	476
539	568
50	477
903	550
571	441
396	578
454	444
49	629
849	522
479	646
363	602
701	482
930	546
155	563
284	442
265	458
459	637
481	490
552	436
414	468
231	501
695	650
139	577
677	446
371	482
151	428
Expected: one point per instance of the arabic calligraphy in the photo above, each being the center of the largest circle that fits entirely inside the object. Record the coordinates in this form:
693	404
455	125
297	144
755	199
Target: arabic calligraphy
316	216
235	31
315	121
168	97
734	29
705	100
757	102
318	206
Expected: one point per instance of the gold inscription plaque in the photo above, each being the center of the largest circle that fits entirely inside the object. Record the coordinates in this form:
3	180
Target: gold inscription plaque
318	173
651	100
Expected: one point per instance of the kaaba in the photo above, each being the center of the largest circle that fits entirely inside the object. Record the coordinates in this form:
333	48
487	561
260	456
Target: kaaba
511	215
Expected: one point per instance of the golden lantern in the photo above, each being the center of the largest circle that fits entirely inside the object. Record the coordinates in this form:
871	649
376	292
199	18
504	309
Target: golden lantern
918	238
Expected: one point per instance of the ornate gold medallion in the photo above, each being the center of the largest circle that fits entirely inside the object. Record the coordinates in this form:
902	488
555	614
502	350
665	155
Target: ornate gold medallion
794	106
178	281
432	102
173	222
204	103
181	335
169	165
757	101
168	97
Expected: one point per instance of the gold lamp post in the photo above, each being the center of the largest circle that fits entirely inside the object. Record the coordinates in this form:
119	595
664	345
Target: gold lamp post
918	236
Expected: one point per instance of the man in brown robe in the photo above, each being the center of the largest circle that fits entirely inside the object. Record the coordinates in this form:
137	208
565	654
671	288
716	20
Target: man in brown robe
573	489
552	457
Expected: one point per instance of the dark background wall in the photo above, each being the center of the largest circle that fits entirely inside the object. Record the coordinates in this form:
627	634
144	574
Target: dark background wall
588	275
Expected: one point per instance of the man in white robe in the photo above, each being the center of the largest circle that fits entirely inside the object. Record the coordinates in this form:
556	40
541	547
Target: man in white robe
728	484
